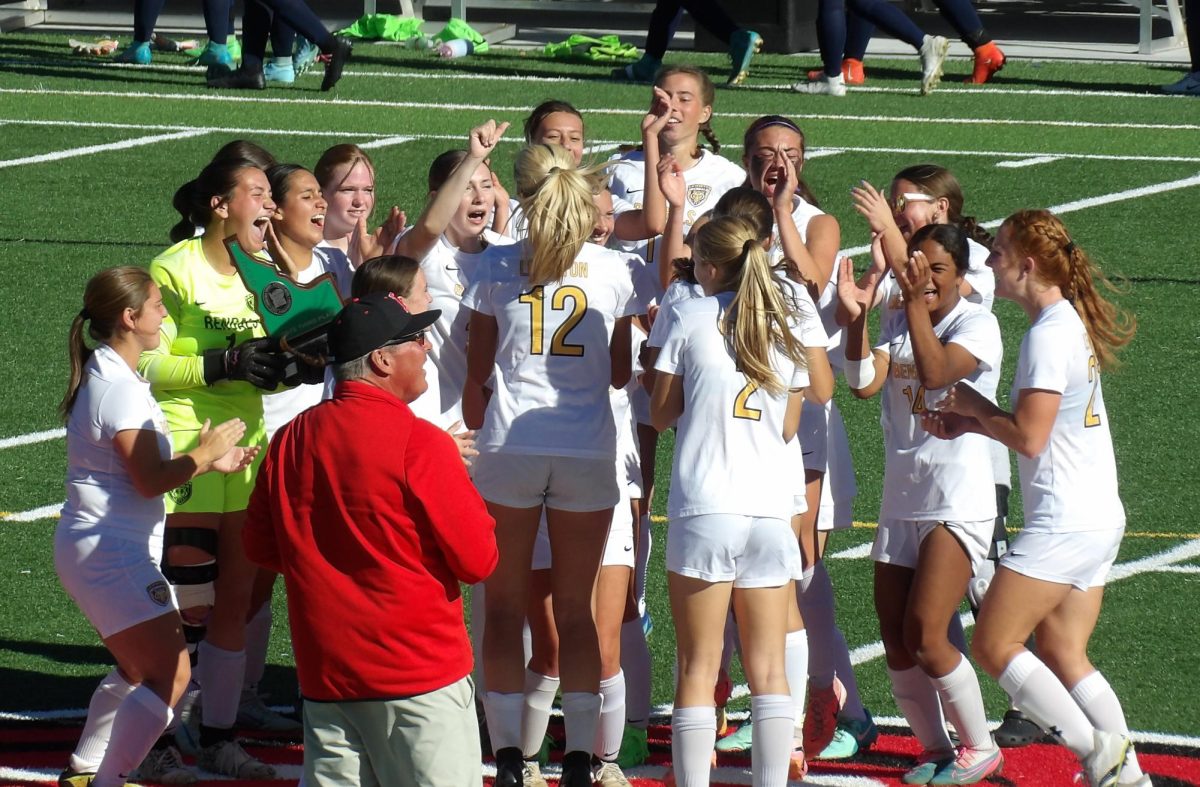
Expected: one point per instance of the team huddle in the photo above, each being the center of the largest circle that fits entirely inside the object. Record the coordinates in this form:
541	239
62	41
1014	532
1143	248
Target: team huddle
504	366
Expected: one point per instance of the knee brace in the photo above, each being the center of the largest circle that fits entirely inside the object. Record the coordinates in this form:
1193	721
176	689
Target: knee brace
192	584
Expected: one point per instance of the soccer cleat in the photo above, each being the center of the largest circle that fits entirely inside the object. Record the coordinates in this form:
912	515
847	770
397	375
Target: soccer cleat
165	766
283	73
797	765
253	714
970	766
576	769
928	764
743	45
215	55
1188	86
1017	729
510	768
1102	768
609	774
634	747
243	78
306	54
851	737
852	72
988	60
234	47
228	758
641	71
647	624
531	774
137	52
825	86
933	56
739	740
342	48
70	778
820	717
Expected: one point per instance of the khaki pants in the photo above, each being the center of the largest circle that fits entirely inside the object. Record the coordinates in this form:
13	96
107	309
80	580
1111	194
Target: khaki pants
426	739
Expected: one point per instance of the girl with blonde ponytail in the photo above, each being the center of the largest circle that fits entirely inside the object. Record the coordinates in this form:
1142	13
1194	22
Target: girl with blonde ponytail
1052	578
551	319
738	361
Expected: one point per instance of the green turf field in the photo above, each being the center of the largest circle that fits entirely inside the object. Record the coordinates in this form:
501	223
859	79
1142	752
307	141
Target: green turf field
91	155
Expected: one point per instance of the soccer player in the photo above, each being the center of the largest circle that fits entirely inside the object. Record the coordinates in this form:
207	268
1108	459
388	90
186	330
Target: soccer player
347	179
1052	578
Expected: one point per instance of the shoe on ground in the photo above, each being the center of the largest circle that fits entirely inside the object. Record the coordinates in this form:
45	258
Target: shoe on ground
988	60
510	767
137	52
933	56
531	774
306	54
743	45
609	774
970	766
70	778
1102	768
165	766
852	72
641	71
253	713
228	758
283	73
851	737
928	764
242	78
635	749
1017	729
576	769
797	765
216	55
821	712
234	47
342	47
1188	86
825	86
739	740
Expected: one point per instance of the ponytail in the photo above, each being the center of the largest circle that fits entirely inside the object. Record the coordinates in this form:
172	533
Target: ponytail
182	202
975	232
940	183
78	354
710	135
560	214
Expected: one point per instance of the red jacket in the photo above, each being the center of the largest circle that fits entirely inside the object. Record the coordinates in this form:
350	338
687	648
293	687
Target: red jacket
368	513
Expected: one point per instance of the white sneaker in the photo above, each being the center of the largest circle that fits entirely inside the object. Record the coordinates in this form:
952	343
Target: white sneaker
253	714
933	56
165	766
1102	767
1188	86
531	774
228	758
609	774
825	86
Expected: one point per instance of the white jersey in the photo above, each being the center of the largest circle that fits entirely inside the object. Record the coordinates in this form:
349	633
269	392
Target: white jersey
281	407
730	457
980	276
678	292
706	182
553	368
812	334
101	496
926	478
802	213
449	271
1072	484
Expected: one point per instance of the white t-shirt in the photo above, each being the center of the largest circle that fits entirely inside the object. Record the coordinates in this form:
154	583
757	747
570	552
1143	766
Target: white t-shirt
281	407
677	292
101	496
553	368
1072	484
980	276
925	477
730	457
802	213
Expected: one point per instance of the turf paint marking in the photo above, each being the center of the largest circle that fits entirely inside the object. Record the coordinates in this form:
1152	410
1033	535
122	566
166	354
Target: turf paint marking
386	142
88	150
31	438
259	100
1028	162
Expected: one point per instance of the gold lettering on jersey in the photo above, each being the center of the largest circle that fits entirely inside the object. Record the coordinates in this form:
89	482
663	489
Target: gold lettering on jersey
579	270
904	371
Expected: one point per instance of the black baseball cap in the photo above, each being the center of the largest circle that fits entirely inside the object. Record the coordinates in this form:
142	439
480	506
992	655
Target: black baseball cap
370	322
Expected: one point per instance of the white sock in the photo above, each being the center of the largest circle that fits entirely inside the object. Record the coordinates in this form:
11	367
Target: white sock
635	664
136	726
108	696
581	716
612	718
816	607
258	638
219	673
963	705
772	736
503	713
540	691
956	635
693	735
795	666
477	618
844	670
1099	703
918	701
1039	693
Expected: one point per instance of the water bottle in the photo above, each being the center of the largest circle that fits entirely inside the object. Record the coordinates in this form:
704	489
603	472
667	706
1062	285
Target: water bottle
456	48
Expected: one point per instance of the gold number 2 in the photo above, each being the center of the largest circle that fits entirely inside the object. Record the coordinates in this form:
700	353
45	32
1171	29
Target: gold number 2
741	405
536	299
1090	418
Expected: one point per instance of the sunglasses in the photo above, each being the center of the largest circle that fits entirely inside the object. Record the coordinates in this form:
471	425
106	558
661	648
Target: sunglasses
422	340
901	202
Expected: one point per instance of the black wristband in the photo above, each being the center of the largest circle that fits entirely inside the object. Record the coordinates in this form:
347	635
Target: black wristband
214	366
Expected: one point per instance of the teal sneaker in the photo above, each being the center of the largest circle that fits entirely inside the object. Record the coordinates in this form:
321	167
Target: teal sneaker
743	45
635	749
215	55
971	766
738	741
641	71
279	70
928	764
851	737
306	54
137	52
234	47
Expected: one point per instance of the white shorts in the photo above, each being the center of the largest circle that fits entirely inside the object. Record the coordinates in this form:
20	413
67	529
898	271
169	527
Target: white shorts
827	447
629	459
898	541
618	548
564	483
750	552
114	581
639	403
1081	558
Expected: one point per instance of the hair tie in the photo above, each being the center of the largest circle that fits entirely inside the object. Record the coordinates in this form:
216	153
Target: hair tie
748	245
1069	247
84	314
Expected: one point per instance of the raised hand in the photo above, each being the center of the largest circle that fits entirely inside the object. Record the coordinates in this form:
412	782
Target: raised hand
855	300
873	206
216	441
236	459
671	181
279	256
915	278
392	228
484	138
659	113
789	181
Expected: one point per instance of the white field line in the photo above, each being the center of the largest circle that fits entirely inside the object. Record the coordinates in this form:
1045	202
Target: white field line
853	553
88	150
1028	162
45	512
31	438
385	142
1178	570
259	100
